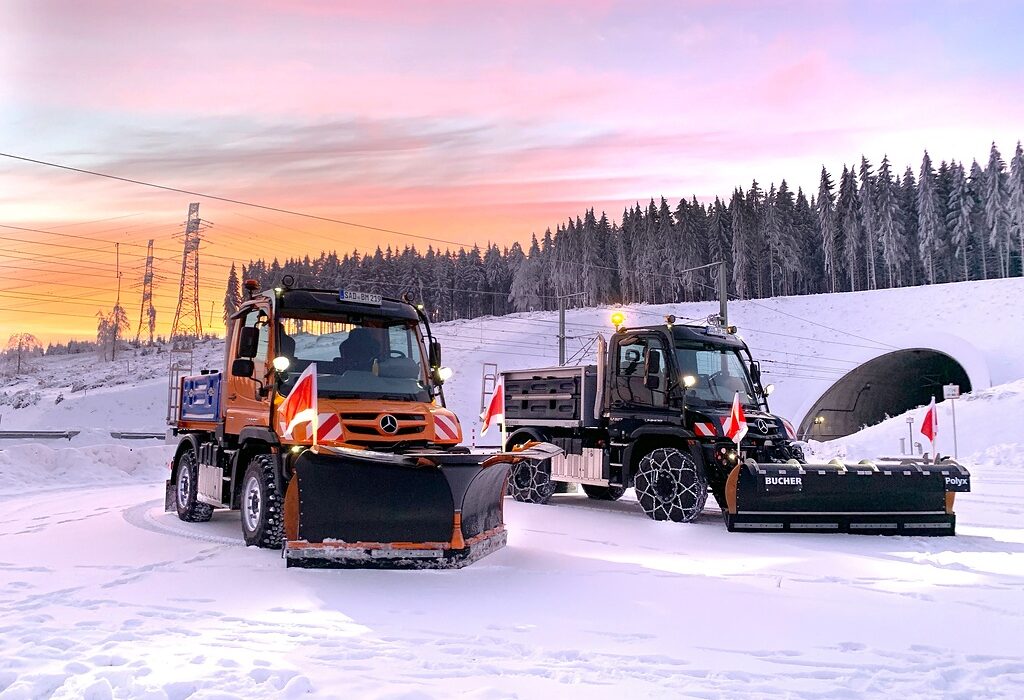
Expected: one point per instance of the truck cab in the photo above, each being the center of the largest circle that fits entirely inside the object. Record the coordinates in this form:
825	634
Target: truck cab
654	404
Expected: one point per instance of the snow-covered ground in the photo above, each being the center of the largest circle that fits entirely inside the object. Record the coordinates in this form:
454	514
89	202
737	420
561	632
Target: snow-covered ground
103	595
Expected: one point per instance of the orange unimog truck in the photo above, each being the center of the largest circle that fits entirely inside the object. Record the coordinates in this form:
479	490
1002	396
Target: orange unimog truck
385	483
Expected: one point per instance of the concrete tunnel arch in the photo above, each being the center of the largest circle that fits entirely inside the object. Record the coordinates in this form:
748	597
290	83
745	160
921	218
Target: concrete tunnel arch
892	383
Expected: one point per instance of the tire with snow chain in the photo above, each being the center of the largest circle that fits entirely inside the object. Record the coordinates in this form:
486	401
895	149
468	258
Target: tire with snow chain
186	491
670	485
262	505
530	481
603	493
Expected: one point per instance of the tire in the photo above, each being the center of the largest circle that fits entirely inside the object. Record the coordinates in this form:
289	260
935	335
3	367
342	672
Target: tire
603	493
261	505
186	489
529	481
670	485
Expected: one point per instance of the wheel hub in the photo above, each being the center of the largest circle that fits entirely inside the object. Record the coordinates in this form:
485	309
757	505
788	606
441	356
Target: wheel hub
665	487
523	475
252	504
184	483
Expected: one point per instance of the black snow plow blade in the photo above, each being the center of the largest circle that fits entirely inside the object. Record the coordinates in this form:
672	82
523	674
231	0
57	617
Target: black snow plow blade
885	497
361	509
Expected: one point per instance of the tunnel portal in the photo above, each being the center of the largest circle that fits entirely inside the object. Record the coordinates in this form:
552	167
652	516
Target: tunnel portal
885	386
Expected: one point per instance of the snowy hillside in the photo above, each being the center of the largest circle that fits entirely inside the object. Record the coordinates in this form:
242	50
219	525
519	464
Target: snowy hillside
806	344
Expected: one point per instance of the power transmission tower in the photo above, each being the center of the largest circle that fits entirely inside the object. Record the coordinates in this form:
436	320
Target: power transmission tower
188	320
146	311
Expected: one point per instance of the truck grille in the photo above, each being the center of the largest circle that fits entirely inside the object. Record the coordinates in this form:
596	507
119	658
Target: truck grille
369	424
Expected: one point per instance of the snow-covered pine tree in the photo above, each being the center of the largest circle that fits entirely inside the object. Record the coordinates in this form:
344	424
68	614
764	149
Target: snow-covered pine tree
929	218
906	197
719	236
233	294
996	201
890	224
740	261
772	229
869	221
849	221
525	294
1015	188
959	220
827	228
976	187
755	238
788	253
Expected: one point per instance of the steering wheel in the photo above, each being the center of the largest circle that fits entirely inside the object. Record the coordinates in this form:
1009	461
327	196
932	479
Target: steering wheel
397	354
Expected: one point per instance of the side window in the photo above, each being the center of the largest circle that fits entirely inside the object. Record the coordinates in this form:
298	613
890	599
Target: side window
257	318
631	381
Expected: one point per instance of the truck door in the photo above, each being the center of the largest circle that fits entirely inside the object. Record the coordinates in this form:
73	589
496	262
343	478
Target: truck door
245	406
639	375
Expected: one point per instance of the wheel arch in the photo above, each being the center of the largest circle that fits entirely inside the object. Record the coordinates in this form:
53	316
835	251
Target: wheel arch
516	438
647	438
189	441
248	448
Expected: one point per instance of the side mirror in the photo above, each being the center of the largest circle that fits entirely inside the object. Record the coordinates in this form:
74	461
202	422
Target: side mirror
653	363
243	367
248	342
768	390
434	354
755	372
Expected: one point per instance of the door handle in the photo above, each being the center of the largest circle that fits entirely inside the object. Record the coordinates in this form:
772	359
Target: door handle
232	397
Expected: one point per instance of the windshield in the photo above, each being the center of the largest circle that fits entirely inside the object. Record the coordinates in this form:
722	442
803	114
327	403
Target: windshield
370	358
719	373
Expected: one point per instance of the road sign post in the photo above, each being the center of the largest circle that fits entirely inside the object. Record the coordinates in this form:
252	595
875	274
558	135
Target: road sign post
951	392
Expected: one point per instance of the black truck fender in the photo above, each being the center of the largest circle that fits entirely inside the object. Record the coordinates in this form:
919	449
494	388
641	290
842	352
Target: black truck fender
523	435
252	441
664	433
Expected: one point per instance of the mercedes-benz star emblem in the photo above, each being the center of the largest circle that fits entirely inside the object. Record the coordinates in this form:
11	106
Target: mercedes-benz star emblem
389	424
762	426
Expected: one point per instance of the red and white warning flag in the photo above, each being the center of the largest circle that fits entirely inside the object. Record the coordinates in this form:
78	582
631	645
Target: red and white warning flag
930	424
300	405
736	424
495	412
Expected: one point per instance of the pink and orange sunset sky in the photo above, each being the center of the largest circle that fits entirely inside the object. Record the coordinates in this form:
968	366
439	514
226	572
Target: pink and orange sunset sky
464	121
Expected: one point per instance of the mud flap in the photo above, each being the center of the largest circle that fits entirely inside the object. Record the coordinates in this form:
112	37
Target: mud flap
361	509
170	496
886	497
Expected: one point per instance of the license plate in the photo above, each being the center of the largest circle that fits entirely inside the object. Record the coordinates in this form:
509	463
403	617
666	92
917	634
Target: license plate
359	297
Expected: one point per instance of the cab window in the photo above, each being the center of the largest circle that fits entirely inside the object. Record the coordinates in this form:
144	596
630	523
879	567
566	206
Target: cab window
633	359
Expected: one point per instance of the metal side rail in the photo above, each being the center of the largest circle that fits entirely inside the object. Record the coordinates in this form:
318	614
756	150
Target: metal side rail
880	497
38	434
121	435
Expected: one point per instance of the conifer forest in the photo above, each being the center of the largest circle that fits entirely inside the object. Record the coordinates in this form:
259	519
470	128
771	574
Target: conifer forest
869	227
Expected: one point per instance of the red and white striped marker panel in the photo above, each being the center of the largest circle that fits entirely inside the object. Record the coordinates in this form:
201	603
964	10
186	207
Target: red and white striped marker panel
704	429
446	426
790	430
329	427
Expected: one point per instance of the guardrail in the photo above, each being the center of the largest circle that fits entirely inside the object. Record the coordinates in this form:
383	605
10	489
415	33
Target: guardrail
38	434
137	436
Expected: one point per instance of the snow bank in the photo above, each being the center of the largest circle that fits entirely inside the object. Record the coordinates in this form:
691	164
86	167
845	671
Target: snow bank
35	467
988	422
